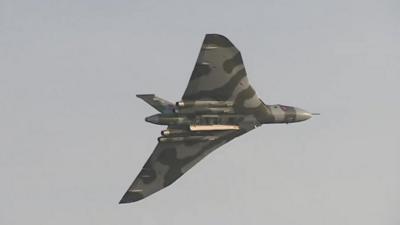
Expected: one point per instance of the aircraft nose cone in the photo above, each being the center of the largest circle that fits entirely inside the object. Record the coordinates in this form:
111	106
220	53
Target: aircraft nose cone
302	114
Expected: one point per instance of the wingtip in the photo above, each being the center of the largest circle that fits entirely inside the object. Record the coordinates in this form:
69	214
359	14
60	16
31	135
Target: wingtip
123	202
218	40
130	197
215	34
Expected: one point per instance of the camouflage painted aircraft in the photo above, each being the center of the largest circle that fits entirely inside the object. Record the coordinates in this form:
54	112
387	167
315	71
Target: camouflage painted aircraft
218	105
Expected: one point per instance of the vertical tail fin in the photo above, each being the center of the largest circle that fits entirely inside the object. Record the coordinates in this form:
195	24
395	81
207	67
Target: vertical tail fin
160	104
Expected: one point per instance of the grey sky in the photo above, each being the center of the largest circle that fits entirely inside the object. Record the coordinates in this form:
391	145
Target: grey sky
73	138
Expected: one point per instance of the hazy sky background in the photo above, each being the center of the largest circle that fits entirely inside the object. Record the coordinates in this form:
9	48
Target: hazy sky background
73	136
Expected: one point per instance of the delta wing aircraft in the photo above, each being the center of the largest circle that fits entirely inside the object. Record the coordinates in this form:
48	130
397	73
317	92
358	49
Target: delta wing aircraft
218	105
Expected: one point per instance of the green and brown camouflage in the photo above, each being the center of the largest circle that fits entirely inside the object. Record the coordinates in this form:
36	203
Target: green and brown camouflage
218	105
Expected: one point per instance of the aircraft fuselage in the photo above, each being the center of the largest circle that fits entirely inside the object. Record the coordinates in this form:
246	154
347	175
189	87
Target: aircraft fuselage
223	113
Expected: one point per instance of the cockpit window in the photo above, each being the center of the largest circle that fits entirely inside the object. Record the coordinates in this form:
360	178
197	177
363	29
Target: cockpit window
284	108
